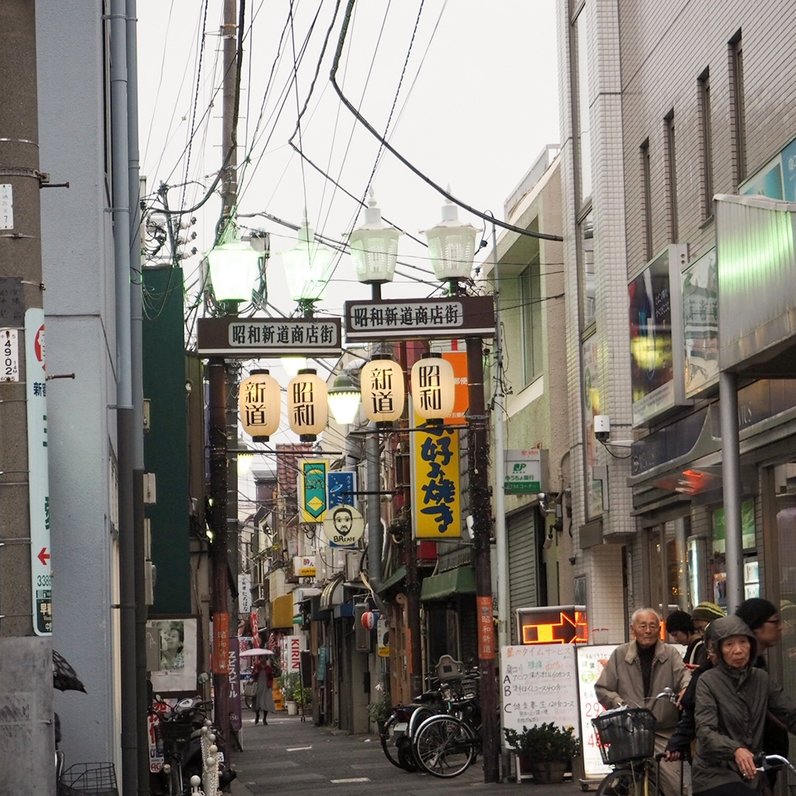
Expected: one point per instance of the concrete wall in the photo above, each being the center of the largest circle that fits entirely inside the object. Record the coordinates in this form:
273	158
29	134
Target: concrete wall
78	274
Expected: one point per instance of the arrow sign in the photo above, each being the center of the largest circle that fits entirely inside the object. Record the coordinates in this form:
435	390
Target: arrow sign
43	556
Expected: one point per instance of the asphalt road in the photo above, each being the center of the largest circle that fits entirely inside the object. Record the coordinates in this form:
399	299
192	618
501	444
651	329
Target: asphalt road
289	756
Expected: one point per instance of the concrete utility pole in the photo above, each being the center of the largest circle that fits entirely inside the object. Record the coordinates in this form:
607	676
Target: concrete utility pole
481	509
26	681
223	474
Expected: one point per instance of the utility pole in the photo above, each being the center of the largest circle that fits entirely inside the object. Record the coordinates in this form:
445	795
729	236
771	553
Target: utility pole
26	684
223	472
480	507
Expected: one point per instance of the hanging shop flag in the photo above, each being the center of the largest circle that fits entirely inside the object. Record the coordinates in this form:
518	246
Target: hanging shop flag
313	501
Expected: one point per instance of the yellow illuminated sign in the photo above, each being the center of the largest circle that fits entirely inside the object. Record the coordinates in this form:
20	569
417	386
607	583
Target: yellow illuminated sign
436	487
555	626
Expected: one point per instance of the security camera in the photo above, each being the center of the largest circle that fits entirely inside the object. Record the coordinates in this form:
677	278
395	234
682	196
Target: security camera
602	428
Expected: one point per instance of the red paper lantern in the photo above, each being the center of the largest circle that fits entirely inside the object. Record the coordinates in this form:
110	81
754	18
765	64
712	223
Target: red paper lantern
369	619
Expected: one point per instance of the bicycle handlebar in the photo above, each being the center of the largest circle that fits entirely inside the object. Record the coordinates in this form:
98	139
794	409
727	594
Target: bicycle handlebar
765	762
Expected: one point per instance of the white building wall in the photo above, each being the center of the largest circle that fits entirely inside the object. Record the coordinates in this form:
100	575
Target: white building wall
78	301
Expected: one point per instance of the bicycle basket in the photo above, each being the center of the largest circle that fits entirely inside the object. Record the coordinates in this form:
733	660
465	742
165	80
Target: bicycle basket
625	734
175	733
96	778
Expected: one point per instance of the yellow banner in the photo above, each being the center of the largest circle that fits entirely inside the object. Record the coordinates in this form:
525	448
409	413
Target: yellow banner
436	487
313	500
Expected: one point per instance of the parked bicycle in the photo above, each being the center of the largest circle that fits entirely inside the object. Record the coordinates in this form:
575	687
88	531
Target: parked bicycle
446	745
452	682
626	737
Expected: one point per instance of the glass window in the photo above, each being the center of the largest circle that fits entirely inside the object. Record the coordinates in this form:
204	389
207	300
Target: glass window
530	294
738	109
707	143
583	32
646	194
588	279
671	174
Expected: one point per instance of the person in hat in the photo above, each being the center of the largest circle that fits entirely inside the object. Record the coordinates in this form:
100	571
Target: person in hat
762	617
732	700
263	676
704	613
680	626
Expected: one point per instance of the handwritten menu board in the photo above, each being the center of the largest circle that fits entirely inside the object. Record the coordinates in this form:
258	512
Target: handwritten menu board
539	684
591	661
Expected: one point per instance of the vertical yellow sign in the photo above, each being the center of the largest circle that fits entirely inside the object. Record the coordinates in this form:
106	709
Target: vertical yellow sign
436	486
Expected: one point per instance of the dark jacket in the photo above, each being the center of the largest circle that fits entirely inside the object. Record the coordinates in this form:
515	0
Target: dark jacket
685	732
730	712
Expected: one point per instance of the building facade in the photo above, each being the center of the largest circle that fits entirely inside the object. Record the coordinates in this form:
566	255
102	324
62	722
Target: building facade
675	118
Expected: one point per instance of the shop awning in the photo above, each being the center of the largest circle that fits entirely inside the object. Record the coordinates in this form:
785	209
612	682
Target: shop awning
394	579
447	584
282	611
332	593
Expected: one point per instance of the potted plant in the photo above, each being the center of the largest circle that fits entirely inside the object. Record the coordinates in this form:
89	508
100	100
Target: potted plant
380	711
294	693
544	750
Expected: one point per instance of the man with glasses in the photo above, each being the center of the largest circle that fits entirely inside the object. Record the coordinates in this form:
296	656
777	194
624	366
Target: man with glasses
639	670
763	619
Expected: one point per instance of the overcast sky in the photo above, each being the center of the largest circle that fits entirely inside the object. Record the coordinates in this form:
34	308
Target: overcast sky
477	103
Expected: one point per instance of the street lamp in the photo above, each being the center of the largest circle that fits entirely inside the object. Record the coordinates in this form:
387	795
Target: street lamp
374	248
451	246
234	267
308	268
344	399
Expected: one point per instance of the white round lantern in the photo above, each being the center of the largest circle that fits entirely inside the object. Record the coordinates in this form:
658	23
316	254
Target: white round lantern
433	388
307	405
259	405
381	382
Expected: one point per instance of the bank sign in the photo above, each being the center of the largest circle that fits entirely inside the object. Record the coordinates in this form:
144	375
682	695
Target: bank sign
524	471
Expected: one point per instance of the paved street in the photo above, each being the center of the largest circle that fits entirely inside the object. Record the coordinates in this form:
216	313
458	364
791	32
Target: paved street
290	756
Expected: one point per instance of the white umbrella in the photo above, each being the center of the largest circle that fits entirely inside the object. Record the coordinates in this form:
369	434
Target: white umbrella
253	653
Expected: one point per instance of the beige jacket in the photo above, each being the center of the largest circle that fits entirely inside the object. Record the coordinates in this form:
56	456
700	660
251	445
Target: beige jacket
621	681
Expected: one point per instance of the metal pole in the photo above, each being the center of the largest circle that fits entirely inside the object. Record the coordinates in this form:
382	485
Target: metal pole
731	477
499	465
481	510
26	691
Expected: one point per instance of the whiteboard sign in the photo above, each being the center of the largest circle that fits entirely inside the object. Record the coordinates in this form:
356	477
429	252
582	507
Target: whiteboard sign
591	662
539	684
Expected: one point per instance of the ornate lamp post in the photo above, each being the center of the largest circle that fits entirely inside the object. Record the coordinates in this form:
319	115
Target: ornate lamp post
233	268
452	248
344	399
374	249
308	268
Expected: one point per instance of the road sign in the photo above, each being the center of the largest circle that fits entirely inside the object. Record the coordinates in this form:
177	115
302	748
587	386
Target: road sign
39	487
247	338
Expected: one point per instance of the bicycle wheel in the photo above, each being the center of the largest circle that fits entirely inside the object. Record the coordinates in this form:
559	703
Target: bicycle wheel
444	746
387	740
628	782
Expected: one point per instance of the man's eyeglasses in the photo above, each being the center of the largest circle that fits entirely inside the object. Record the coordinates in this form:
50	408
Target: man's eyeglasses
648	625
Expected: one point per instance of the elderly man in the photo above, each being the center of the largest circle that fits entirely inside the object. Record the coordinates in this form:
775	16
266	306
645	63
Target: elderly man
639	670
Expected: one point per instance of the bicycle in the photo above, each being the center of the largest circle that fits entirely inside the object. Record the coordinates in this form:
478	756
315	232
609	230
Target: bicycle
626	738
447	744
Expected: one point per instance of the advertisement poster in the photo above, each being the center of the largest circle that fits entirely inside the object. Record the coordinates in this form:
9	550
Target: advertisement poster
700	285
591	661
171	654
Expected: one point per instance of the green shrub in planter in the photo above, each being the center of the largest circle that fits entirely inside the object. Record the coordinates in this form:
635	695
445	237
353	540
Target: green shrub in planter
544	742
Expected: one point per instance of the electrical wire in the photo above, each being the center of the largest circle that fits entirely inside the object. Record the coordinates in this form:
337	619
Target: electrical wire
364	122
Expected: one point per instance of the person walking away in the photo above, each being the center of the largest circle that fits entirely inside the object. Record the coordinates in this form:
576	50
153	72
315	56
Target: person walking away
763	619
263	675
680	626
732	700
639	670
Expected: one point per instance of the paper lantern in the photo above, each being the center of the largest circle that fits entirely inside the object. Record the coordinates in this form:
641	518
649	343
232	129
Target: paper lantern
369	619
381	382
307	405
259	405
433	388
